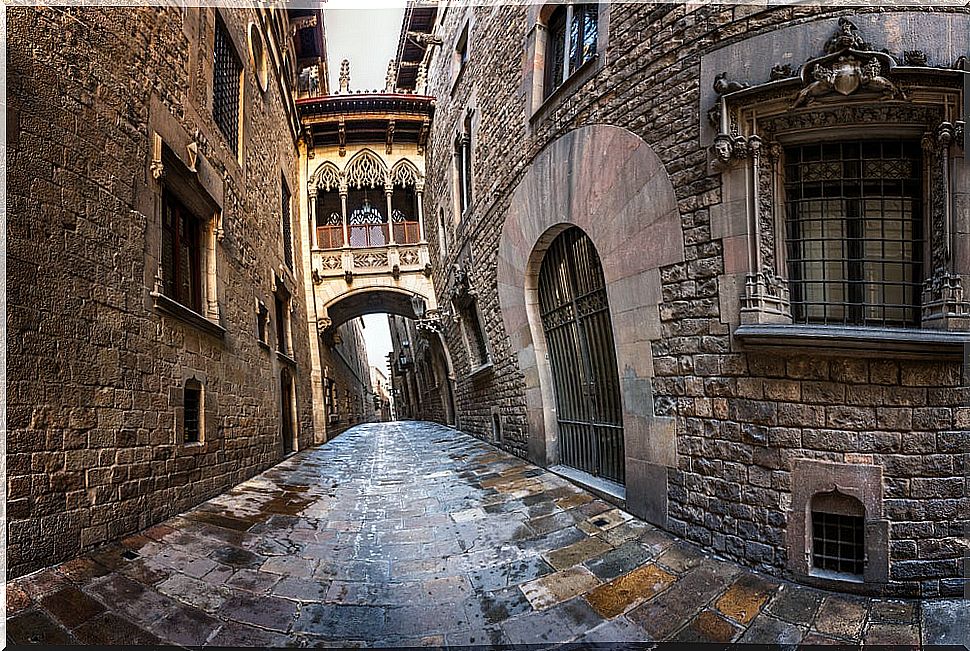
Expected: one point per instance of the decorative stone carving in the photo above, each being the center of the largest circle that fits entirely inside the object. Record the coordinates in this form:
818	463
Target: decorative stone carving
765	298
943	297
344	77
366	169
914	57
782	71
192	149
722	86
404	174
156	167
324	326
461	288
849	66
390	79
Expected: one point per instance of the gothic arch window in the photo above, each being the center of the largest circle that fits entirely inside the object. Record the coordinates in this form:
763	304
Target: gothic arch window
366	170
328	209
404	203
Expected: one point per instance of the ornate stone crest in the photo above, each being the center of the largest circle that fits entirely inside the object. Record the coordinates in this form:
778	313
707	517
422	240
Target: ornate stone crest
849	66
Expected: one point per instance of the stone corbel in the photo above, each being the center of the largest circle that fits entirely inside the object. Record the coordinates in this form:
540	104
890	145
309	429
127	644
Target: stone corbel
156	167
192	151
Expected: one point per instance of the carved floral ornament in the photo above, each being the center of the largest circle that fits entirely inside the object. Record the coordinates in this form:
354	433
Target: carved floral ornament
365	169
849	70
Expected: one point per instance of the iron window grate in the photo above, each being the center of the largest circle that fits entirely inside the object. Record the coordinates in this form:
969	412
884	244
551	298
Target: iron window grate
192	403
225	86
855	232
286	219
838	542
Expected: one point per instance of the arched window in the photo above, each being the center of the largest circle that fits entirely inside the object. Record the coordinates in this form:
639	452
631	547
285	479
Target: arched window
838	534
404	203
192	407
328	210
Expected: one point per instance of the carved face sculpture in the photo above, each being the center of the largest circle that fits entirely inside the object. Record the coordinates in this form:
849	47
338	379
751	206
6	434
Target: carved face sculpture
722	149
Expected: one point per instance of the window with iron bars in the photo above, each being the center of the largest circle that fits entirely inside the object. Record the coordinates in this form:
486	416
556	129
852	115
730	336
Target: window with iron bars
838	542
855	232
226	78
286	217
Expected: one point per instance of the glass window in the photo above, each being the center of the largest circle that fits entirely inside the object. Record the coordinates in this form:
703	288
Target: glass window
572	31
855	234
181	253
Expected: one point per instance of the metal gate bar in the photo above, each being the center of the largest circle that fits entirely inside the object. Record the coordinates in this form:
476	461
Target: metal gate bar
579	335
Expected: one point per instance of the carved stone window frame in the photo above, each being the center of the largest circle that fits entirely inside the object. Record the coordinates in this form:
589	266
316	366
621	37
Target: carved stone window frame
863	484
755	123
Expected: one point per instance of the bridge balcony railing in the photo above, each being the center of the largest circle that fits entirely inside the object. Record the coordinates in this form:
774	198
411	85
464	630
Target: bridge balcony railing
368	235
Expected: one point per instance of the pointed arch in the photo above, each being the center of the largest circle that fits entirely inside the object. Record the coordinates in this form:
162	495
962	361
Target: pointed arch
366	169
326	177
405	173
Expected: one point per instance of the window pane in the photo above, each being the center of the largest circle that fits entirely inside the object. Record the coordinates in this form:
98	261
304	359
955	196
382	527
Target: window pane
854	232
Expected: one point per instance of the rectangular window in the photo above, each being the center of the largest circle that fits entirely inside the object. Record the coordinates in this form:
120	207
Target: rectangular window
461	49
855	232
571	35
181	253
463	166
226	85
474	336
192	407
286	222
282	324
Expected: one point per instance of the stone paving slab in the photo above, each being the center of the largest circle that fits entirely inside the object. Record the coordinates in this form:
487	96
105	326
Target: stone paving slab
413	534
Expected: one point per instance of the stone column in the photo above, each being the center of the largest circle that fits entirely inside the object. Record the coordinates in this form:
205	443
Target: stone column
312	217
388	191
343	214
419	193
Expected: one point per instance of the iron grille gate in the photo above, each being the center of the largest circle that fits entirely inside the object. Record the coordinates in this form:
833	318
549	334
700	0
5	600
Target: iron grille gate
579	336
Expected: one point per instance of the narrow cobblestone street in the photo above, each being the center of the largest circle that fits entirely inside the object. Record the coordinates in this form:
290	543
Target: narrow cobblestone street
415	534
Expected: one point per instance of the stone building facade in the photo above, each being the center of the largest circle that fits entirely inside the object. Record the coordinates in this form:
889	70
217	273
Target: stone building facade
753	226
157	349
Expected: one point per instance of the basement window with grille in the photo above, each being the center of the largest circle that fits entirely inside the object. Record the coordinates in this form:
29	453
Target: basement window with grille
838	536
227	87
192	412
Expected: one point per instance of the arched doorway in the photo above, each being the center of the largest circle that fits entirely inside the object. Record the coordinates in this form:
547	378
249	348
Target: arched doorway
575	314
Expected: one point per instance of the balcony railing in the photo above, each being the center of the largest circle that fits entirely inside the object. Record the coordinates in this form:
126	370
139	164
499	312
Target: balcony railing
367	235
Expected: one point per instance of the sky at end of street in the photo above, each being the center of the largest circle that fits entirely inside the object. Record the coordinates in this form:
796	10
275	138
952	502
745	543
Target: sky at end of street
365	37
368	39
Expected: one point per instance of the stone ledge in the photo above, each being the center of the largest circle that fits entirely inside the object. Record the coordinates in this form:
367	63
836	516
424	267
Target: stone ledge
187	315
854	340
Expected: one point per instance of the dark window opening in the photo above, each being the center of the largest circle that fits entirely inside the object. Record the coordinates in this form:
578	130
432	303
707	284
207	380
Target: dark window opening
461	49
404	215
181	254
262	320
366	222
496	427
192	406
227	73
476	337
838	542
569	46
281	323
463	166
286	220
855	232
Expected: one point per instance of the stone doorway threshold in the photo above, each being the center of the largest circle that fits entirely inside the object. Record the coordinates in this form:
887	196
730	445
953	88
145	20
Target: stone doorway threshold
604	488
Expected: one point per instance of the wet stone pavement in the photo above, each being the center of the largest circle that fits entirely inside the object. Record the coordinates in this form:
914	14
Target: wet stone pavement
413	534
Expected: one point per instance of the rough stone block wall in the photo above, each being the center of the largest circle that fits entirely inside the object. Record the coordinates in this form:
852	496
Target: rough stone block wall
742	418
94	370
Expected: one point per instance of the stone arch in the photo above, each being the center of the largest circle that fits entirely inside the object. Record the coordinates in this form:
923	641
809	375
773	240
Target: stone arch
405	173
611	184
374	299
326	177
366	169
